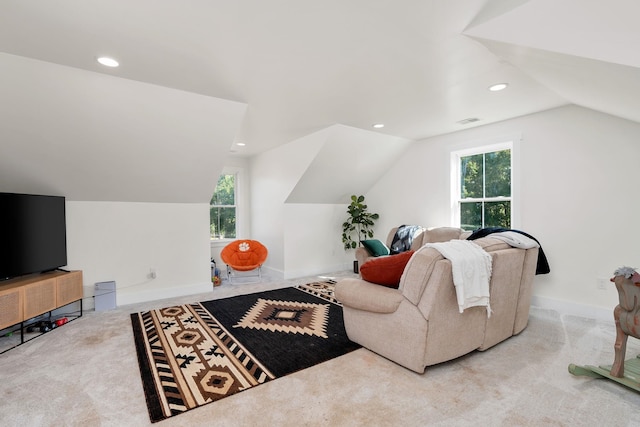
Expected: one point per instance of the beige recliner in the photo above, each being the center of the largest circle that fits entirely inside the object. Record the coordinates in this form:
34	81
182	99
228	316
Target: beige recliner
419	324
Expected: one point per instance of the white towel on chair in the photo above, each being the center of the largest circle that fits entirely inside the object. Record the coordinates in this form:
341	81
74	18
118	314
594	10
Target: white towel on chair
471	268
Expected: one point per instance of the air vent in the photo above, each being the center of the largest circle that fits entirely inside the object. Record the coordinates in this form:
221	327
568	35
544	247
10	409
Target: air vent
469	120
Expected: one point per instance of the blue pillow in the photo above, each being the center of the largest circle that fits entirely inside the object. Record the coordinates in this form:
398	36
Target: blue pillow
375	247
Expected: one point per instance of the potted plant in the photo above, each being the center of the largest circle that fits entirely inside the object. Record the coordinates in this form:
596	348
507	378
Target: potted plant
358	226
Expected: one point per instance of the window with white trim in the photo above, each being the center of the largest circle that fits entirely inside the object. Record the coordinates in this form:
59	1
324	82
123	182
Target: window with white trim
482	187
223	208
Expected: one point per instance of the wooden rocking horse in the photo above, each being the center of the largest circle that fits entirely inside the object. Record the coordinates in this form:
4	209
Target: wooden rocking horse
626	315
627	318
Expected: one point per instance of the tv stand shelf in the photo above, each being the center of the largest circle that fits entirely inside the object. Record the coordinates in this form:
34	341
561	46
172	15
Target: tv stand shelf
28	297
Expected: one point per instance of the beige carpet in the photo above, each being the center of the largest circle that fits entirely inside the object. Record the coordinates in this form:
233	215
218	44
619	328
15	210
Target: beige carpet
86	374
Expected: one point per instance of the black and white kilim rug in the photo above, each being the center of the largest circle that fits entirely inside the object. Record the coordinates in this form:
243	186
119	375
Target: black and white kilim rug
194	354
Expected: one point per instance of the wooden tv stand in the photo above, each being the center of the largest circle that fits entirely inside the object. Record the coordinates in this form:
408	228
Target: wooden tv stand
24	298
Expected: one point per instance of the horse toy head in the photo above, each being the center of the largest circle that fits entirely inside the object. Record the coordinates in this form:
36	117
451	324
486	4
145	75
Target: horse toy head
627	273
627	282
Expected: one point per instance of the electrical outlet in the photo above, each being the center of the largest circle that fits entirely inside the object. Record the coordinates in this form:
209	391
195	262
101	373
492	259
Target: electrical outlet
603	283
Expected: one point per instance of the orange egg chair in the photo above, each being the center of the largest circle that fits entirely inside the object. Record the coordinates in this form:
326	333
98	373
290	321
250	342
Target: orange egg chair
244	255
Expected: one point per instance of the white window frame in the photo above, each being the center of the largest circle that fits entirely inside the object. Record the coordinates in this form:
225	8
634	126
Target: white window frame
512	143
239	192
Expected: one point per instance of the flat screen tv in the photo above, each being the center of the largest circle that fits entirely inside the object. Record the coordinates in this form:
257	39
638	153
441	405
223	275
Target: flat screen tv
33	235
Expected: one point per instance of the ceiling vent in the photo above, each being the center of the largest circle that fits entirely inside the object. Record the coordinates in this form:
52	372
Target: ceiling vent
469	120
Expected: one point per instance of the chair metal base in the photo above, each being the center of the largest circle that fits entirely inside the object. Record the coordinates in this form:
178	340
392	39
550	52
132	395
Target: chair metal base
234	273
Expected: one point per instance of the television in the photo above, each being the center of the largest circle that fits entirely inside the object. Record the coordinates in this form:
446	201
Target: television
33	235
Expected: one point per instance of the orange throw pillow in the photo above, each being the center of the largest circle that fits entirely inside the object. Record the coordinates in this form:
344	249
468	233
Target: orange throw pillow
386	270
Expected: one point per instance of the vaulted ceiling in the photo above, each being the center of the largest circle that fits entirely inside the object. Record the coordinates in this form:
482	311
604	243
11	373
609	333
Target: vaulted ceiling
198	76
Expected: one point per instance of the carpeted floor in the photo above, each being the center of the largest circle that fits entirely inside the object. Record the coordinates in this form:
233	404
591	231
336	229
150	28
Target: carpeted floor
86	374
196	354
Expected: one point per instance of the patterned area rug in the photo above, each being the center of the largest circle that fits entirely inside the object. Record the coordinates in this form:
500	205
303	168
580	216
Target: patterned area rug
194	354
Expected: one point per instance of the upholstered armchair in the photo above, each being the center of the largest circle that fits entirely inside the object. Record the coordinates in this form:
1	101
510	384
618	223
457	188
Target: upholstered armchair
420	323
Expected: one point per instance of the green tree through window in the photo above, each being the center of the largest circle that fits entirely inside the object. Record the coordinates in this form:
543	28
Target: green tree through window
485	190
222	208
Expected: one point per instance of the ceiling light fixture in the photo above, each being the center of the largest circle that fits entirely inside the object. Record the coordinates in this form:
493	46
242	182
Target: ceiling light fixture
498	87
378	125
108	62
240	144
469	120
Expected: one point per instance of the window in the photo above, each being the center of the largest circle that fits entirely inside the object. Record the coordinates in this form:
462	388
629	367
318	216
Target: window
222	208
483	187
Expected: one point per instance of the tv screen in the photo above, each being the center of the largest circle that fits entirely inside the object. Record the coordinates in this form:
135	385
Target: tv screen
33	236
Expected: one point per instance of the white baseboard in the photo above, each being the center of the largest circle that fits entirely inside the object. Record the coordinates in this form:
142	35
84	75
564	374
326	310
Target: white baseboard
292	274
573	309
124	297
272	273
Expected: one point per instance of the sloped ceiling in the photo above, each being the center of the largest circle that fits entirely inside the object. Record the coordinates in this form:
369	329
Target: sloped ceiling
300	66
349	162
196	77
588	53
89	136
591	29
602	86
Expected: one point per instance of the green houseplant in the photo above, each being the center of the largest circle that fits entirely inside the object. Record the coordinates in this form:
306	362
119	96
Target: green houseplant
358	225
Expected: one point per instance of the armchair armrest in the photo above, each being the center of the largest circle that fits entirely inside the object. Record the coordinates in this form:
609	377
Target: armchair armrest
363	295
362	256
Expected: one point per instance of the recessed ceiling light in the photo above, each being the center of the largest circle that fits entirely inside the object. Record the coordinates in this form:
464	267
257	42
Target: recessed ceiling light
108	62
378	125
240	144
498	86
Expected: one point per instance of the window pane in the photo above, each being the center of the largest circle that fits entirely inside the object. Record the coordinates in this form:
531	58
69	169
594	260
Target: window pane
498	174
470	215
497	214
223	222
471	176
225	191
222	211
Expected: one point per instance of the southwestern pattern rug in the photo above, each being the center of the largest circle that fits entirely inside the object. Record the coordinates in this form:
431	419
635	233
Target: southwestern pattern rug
194	354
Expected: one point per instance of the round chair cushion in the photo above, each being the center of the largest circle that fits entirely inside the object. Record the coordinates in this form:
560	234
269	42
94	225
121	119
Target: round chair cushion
244	255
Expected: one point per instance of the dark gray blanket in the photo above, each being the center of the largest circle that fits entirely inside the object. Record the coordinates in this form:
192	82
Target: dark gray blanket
404	238
542	266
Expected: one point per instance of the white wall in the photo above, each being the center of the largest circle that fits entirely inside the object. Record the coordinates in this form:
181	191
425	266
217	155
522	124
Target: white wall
312	239
578	195
577	192
122	241
300	191
302	239
273	176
